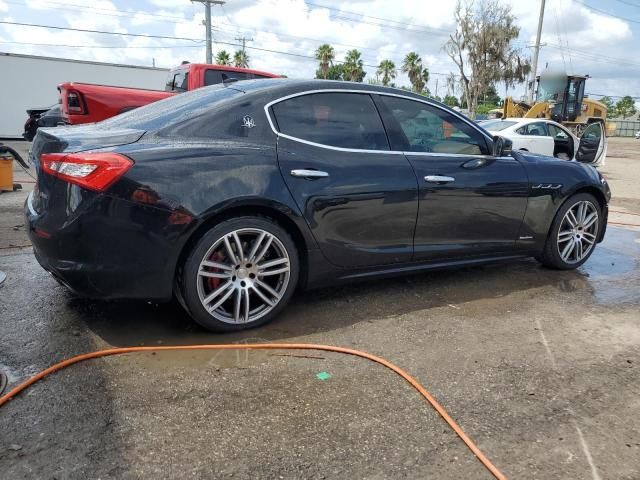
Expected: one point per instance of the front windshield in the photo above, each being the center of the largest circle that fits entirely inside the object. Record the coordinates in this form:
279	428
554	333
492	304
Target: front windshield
497	125
551	87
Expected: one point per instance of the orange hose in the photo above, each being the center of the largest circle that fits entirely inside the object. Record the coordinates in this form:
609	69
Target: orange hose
269	346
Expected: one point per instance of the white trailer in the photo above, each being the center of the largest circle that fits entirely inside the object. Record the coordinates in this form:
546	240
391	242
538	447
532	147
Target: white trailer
31	82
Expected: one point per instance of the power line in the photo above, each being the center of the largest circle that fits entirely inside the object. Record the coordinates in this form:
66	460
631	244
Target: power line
628	3
86	30
403	25
581	2
112	12
124	47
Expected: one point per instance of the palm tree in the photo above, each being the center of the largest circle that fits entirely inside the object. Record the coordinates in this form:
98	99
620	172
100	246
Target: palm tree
241	59
325	54
223	58
388	71
353	66
412	66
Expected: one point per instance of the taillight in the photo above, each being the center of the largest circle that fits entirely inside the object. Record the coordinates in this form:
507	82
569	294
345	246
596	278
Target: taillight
94	171
75	104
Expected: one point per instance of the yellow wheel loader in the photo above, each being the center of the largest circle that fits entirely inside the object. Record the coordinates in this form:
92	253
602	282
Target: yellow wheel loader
559	98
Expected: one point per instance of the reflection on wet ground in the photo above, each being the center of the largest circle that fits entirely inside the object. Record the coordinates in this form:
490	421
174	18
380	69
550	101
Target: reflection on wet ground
613	268
609	277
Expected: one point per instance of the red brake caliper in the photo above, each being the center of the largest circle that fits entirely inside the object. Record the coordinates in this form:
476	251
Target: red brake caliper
215	282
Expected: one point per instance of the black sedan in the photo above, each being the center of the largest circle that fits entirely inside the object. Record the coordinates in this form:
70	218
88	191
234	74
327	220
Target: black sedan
230	197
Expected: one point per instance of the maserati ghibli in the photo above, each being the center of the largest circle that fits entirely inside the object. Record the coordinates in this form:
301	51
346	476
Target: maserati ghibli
231	197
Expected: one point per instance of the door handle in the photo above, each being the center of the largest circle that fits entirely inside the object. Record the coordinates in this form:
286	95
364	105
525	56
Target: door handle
438	179
307	173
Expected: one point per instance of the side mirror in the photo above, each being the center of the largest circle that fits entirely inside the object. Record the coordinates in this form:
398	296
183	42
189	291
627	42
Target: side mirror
502	146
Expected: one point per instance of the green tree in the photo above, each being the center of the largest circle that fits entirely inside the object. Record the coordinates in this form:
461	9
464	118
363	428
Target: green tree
451	101
223	58
611	107
386	69
490	96
412	66
353	66
425	75
626	107
325	54
241	59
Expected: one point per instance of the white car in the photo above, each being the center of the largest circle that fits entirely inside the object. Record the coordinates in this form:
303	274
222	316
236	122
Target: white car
638	135
546	137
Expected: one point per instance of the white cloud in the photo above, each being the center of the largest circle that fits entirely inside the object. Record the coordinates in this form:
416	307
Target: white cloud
296	27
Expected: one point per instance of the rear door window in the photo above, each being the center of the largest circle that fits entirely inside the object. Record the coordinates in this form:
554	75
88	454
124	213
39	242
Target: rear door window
537	129
344	120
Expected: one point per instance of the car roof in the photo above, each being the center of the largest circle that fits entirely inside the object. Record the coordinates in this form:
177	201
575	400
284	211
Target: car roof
300	85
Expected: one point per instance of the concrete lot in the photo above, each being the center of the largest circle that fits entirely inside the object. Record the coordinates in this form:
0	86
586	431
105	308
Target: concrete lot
539	367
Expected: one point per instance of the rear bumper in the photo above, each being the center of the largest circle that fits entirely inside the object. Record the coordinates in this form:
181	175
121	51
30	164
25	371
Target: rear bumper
97	255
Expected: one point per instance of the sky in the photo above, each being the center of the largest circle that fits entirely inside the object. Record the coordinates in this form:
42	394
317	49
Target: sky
595	37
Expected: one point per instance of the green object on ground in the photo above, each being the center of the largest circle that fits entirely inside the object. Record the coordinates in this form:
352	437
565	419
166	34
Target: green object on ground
323	376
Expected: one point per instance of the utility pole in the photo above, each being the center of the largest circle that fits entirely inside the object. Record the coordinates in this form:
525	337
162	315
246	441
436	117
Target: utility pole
207	22
534	70
243	40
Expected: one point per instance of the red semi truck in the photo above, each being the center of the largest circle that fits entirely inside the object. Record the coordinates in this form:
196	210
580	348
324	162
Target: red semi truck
86	103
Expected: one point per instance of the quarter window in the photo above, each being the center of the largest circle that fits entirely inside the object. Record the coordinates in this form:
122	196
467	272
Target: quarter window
345	120
425	128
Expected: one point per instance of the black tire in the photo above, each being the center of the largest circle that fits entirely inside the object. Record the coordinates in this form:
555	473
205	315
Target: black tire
189	279
551	255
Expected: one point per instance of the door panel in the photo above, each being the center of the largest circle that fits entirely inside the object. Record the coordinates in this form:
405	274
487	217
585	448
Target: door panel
469	202
592	144
363	212
359	199
478	212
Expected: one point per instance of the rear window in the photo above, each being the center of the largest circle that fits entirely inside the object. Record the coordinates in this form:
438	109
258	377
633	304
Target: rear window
177	81
212	77
345	120
497	125
173	109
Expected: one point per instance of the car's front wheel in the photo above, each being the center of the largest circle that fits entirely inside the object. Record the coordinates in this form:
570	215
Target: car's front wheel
240	274
574	233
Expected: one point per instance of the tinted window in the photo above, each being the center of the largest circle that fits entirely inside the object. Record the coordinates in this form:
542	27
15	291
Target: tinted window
346	120
212	77
425	128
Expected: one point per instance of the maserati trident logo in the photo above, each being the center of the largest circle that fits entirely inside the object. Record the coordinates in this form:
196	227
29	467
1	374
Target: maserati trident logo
248	122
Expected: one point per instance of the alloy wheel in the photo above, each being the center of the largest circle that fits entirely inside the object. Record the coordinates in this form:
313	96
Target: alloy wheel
577	232
243	276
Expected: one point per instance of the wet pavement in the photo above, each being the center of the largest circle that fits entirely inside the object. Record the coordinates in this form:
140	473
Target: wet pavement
539	367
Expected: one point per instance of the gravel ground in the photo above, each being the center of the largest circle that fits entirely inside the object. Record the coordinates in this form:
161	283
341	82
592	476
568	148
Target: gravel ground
539	367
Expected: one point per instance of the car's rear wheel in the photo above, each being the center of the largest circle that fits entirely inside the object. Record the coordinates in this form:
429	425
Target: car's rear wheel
574	233
240	274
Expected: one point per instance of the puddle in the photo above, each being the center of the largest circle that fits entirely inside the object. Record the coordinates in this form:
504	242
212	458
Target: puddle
218	359
613	269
